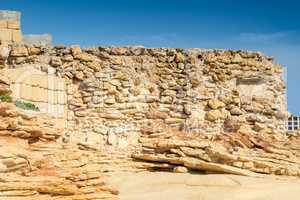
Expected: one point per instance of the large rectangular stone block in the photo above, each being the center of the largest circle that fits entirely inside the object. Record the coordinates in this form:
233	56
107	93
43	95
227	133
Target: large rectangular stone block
39	94
26	92
52	97
5	35
61	97
61	86
16	36
13	25
3	24
26	80
39	80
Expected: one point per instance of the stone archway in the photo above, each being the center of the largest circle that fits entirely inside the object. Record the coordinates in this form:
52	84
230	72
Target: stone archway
45	90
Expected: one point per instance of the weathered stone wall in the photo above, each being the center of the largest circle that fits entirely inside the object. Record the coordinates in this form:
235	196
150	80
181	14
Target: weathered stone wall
113	92
10	26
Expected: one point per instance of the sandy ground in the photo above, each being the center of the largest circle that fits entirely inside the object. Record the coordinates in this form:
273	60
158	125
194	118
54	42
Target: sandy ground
173	186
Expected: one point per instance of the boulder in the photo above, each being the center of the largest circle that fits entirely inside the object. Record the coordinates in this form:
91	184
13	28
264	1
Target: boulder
213	115
215	104
19	51
180	169
180	58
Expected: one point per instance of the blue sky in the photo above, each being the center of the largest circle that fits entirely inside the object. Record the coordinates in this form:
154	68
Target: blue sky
272	27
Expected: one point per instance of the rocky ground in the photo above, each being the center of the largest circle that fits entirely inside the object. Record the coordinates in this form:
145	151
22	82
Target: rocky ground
162	185
34	164
242	153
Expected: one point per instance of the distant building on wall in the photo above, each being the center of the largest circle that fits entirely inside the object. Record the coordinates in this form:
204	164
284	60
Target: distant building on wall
10	30
293	123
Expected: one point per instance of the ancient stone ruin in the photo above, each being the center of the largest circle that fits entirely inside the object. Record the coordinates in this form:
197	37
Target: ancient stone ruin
10	26
10	30
74	115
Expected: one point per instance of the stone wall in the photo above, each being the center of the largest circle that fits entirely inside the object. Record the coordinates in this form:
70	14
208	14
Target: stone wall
10	26
115	92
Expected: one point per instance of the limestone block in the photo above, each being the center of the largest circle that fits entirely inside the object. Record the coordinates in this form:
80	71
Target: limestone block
79	75
4	52
15	88
34	50
52	97
173	120
76	50
81	113
26	80
236	111
110	101
5	35
52	84
37	80
15	75
39	94
25	92
117	60
13	25
42	106
252	89
101	129
180	58
56	61
83	57
215	104
51	109
55	83
180	169
51	70
18	51
213	115
61	110
61	85
61	97
3	24
16	36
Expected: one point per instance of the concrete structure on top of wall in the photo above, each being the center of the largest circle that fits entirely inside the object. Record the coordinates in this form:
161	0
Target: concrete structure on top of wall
10	26
10	30
37	39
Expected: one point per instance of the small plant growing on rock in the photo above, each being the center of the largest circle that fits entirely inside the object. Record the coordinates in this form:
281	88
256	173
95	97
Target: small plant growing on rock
26	105
5	98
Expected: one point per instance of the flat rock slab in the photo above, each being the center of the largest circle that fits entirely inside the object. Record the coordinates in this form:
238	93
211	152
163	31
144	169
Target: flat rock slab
164	185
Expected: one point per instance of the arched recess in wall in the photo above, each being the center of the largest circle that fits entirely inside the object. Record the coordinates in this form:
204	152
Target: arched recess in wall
47	91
